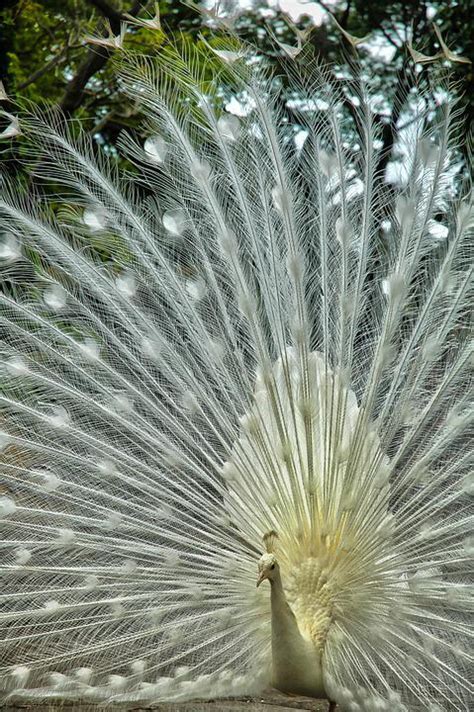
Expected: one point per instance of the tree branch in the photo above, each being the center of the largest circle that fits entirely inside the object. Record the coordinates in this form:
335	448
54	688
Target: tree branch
109	11
345	15
95	60
389	39
60	57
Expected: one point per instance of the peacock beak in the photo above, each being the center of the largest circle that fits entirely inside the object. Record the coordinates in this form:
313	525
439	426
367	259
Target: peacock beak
261	577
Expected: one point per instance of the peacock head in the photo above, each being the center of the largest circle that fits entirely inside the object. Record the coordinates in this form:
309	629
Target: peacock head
267	568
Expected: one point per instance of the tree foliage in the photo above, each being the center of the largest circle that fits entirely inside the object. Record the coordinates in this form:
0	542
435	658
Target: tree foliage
45	57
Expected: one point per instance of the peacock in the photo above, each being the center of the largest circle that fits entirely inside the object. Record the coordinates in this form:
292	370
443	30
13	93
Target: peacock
235	395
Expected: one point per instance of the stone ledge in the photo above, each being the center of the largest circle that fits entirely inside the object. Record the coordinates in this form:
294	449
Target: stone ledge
268	702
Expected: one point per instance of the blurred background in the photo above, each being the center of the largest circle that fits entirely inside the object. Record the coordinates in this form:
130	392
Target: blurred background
46	58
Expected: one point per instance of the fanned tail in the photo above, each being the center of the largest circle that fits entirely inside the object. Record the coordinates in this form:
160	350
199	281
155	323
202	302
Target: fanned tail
270	339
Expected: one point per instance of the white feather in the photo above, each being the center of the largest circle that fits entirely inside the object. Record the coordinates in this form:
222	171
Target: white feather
278	342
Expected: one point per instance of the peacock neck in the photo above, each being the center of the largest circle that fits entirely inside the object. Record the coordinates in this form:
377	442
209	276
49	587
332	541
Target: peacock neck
296	662
277	596
284	623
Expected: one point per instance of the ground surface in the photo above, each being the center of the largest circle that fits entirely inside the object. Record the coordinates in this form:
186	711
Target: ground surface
269	702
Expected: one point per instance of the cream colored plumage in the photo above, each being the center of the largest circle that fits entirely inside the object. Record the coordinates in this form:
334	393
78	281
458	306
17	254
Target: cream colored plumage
320	548
296	658
262	337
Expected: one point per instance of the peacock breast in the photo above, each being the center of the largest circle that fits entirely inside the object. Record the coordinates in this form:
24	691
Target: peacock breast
311	594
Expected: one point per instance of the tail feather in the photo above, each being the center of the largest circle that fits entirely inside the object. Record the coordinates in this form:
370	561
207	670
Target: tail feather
273	339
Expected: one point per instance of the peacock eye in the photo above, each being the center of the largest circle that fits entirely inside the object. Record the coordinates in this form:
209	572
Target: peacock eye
272	566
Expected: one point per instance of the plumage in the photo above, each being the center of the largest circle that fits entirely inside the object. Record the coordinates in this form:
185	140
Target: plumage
235	338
